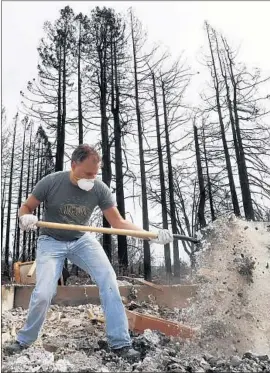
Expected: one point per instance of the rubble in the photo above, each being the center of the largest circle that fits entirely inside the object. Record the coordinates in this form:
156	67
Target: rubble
231	314
82	347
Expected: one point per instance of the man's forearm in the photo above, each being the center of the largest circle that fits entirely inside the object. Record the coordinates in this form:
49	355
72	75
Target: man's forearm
24	210
125	224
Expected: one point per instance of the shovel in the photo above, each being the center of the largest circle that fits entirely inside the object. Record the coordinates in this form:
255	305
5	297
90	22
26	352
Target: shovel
121	232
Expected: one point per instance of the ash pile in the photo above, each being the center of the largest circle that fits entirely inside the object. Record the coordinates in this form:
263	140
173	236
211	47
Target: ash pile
71	342
230	315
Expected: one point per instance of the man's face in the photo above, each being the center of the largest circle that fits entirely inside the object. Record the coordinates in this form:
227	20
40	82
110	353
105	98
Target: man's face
87	169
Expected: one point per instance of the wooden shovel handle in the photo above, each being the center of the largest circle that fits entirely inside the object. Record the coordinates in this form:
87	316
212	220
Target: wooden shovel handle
121	232
83	228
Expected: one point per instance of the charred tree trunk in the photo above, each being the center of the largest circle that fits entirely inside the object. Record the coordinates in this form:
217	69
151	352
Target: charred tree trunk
64	110
59	115
14	254
232	107
222	129
201	216
31	234
167	253
106	157
176	260
242	167
7	243
3	205
146	246
229	104
80	117
20	192
193	211
245	186
24	256
209	183
120	198
75	269
40	176
35	180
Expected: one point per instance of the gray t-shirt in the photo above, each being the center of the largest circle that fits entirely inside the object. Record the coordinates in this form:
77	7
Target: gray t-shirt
66	203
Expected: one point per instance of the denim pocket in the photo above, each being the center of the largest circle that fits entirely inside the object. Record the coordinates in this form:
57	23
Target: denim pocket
44	237
41	239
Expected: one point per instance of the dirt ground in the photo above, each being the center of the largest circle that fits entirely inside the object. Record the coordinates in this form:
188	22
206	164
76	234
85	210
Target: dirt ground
230	314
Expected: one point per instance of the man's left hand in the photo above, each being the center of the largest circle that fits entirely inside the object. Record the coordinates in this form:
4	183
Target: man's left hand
164	237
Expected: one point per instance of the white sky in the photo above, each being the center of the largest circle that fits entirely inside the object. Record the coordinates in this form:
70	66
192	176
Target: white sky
177	25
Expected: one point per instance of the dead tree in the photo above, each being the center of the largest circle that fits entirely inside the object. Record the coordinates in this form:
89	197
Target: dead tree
242	104
46	99
25	122
221	123
201	216
10	190
146	246
3	205
27	192
118	45
176	261
167	254
99	66
241	160
209	182
81	21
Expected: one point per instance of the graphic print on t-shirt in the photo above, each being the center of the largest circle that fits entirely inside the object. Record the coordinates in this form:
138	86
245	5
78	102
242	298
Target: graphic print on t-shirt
66	203
74	214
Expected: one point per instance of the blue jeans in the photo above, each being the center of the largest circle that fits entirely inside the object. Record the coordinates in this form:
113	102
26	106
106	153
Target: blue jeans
88	254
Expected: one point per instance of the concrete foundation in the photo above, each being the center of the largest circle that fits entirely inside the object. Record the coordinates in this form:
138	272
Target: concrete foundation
170	296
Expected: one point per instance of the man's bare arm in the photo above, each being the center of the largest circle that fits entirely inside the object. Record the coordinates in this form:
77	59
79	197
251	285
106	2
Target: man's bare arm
115	219
29	206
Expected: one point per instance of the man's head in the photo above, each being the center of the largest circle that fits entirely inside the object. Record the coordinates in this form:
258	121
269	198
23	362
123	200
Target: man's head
85	162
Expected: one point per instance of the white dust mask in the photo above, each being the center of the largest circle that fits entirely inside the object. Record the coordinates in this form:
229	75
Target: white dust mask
86	184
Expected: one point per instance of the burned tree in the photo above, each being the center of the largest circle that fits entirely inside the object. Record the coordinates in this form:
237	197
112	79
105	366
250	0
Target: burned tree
167	255
10	191
135	35
118	63
201	216
217	88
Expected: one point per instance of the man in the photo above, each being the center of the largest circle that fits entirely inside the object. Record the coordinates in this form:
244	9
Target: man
70	197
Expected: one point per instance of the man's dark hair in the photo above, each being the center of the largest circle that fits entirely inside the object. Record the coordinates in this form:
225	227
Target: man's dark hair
83	151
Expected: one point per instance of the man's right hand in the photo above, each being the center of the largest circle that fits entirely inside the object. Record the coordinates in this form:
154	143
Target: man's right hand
27	222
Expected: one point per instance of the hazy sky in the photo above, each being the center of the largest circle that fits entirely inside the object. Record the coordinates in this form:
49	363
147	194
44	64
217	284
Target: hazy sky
177	25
